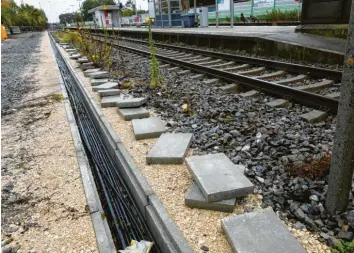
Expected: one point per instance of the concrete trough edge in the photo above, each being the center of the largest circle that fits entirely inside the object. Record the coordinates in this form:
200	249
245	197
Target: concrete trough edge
103	234
163	228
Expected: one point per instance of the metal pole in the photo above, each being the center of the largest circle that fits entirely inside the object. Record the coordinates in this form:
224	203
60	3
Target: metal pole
195	10
342	162
216	13
232	13
161	13
169	13
252	3
180	11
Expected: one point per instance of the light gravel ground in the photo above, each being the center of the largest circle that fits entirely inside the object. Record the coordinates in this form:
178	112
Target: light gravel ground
170	183
44	207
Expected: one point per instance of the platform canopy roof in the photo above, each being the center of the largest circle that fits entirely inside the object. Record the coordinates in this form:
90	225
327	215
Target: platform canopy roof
104	8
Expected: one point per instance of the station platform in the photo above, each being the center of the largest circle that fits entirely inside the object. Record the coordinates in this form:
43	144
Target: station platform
277	41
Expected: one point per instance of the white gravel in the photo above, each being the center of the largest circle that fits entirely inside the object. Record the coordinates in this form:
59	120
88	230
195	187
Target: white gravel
46	211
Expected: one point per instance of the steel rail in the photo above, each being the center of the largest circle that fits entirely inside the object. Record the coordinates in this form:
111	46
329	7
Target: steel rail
335	75
302	97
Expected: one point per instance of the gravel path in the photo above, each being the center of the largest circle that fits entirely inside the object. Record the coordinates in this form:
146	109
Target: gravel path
18	61
43	203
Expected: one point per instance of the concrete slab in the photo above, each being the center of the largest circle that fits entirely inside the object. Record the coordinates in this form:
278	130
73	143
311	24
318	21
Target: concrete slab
197	76
148	128
75	56
82	60
95	82
165	66
230	88
184	72
133	113
210	63
217	177
87	63
109	92
105	86
316	86
259	232
201	60
211	81
173	69
170	148
278	103
239	67
184	56
294	79
252	72
272	75
249	94
86	72
110	101
99	74
223	65
195	199
86	67
129	102
314	116
334	95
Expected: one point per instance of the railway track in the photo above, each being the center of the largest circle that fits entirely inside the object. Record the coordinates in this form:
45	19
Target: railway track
314	87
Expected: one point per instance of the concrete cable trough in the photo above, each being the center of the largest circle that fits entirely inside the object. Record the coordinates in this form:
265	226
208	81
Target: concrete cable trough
132	209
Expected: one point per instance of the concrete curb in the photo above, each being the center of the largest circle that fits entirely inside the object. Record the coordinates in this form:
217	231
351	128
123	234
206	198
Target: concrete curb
165	231
103	234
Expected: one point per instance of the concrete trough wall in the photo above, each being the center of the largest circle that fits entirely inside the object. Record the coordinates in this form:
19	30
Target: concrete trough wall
164	230
247	44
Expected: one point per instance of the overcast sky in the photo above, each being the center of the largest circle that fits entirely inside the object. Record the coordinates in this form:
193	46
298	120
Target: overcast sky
54	8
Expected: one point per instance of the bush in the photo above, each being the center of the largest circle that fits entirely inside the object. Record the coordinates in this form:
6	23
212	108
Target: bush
343	247
98	52
277	15
317	169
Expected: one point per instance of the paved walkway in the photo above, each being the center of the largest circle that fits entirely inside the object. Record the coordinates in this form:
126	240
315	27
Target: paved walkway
44	208
284	34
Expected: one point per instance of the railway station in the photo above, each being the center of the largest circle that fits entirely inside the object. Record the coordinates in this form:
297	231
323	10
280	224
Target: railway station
177	126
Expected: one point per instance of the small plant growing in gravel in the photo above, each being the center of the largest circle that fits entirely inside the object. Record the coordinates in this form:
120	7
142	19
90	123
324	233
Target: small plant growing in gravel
57	97
155	76
187	107
316	169
97	51
228	118
343	247
126	84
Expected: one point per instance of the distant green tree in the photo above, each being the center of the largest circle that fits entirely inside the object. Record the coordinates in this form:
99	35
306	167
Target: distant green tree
127	13
23	15
142	12
69	18
90	4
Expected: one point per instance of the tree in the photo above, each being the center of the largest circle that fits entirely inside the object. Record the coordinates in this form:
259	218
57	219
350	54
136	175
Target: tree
69	18
90	4
127	13
24	15
342	163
